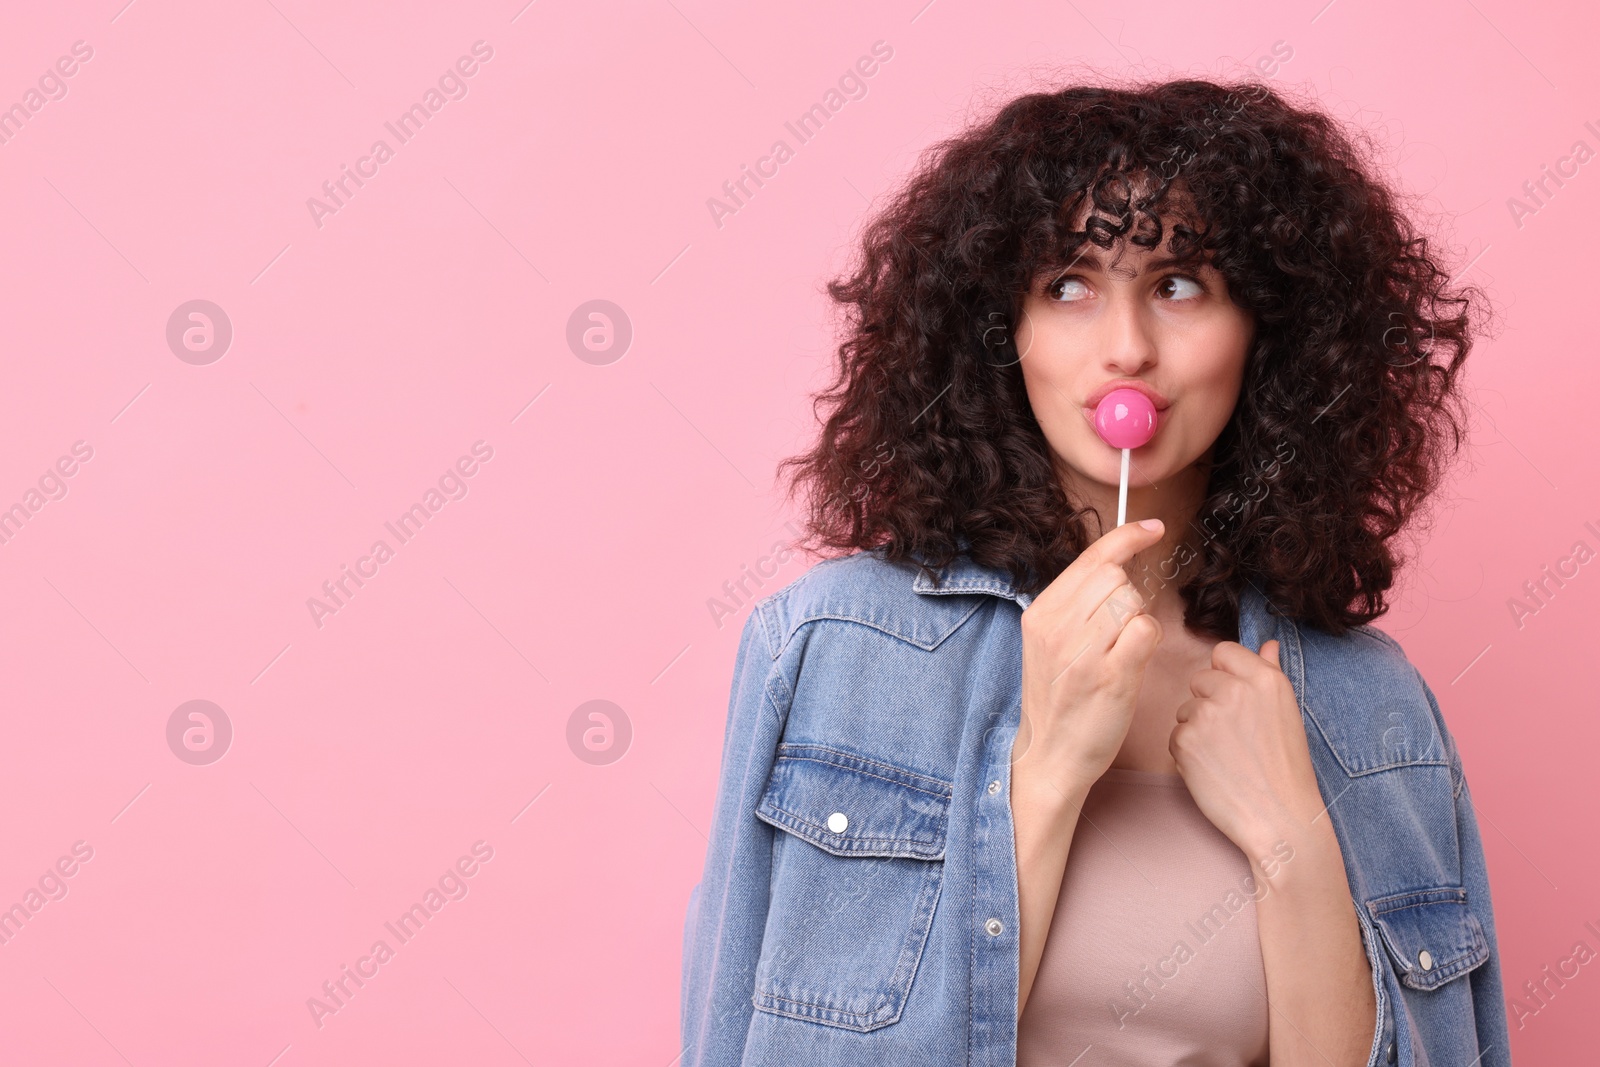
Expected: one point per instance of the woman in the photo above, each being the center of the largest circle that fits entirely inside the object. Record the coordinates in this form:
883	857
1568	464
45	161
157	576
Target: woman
1009	783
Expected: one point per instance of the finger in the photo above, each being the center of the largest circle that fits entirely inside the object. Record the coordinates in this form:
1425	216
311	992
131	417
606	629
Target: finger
1095	590
1097	613
1186	710
1236	659
1127	655
1121	604
1135	644
1104	635
1118	546
1218	686
1122	543
1099	636
1081	590
1100	607
1106	589
1269	652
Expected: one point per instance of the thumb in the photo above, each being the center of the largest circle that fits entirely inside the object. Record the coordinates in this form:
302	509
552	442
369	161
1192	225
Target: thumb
1269	652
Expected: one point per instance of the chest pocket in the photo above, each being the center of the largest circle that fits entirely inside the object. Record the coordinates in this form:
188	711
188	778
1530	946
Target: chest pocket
1431	935
855	878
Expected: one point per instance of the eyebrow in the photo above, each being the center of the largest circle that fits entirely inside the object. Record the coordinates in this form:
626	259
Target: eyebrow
1090	261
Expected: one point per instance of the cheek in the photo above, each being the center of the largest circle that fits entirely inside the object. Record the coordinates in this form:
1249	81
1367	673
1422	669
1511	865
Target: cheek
1049	358
1213	357
1024	334
1042	395
1048	378
1215	370
1048	398
1228	374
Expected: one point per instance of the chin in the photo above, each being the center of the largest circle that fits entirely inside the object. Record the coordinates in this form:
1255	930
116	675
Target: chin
1105	467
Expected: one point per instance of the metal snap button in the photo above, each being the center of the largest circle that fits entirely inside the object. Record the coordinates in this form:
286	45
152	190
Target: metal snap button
838	821
994	787
1389	1056
994	927
1426	959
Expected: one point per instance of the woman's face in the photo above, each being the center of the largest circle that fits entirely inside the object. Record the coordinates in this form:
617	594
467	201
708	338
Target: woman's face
1121	316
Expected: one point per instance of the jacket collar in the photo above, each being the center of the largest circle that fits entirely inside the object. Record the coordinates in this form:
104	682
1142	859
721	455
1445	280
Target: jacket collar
1257	623
963	575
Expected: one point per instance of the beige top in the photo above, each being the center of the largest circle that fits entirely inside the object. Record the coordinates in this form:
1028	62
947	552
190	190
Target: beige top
1153	955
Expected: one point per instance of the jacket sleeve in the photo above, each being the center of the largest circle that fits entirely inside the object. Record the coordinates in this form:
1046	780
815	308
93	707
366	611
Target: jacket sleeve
727	910
1488	995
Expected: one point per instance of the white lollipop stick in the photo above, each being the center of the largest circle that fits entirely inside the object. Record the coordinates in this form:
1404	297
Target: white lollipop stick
1122	491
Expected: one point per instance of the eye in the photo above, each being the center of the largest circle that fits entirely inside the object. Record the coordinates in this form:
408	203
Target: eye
1179	282
1067	289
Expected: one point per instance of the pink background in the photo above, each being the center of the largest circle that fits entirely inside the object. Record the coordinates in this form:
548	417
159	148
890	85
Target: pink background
431	711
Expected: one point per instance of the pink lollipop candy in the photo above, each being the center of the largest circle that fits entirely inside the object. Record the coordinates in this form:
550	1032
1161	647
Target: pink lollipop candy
1125	419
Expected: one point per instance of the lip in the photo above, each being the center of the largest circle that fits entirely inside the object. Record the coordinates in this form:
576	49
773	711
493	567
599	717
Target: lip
1160	402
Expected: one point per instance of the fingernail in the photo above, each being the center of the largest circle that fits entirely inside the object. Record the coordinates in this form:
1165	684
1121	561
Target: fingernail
1150	524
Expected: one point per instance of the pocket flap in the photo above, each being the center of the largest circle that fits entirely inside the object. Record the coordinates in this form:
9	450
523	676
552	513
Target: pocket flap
1431	934
853	806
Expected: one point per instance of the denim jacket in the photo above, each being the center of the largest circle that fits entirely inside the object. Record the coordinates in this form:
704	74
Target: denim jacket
858	903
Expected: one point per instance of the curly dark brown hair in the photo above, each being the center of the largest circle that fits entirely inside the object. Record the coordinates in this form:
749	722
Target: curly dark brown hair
1350	409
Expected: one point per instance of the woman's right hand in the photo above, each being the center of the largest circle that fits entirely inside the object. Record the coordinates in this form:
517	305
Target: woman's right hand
1085	642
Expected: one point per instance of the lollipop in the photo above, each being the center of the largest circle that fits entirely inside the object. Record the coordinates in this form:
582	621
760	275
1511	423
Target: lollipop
1125	419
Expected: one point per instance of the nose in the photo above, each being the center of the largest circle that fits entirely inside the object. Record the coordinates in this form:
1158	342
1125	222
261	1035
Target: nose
1128	344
